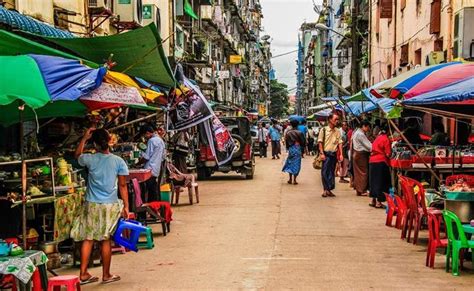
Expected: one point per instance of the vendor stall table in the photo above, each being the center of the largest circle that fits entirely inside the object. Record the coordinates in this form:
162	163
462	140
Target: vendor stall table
23	267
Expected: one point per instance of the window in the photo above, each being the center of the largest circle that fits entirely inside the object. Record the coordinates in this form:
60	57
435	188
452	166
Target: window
435	18
418	57
404	55
389	72
438	45
179	38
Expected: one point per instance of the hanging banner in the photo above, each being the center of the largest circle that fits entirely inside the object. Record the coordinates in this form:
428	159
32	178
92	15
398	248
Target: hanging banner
110	93
187	108
220	140
386	7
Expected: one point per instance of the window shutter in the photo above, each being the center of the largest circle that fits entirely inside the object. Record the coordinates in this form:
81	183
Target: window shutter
435	19
404	55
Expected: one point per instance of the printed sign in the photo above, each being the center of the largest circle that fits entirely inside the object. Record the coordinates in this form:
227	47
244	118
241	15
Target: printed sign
188	108
386	7
115	94
222	143
147	11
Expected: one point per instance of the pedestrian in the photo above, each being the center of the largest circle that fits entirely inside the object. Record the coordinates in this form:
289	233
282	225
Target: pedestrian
295	144
153	159
379	171
344	165
275	137
262	140
311	137
330	151
102	208
361	148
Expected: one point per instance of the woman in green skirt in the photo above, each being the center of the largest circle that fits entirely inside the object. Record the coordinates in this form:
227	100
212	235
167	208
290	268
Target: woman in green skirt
102	207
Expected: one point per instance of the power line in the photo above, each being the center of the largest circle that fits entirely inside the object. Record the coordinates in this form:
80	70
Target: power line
284	54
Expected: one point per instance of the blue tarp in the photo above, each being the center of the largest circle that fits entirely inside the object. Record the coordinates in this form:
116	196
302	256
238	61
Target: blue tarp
67	79
27	24
456	92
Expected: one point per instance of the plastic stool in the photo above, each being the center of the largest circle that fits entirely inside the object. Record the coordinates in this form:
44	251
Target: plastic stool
134	228
149	240
70	281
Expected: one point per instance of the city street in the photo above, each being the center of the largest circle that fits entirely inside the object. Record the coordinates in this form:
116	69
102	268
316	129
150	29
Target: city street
266	234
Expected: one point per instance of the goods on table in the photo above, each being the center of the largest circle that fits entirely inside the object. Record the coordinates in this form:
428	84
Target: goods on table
460	186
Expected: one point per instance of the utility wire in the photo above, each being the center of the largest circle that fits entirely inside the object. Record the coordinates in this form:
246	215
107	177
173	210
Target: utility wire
284	54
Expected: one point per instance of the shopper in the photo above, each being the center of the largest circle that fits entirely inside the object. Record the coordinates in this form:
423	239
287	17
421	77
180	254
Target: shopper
295	144
361	148
344	165
153	159
439	137
275	137
262	140
379	171
102	208
330	151
311	137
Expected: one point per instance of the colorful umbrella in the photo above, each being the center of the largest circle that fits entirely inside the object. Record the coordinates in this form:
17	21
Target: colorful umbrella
38	80
405	81
441	78
461	92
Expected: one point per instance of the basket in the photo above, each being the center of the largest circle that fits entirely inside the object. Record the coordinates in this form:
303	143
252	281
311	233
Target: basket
401	164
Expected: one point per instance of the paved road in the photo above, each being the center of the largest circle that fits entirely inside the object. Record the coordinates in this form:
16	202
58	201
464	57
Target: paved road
266	234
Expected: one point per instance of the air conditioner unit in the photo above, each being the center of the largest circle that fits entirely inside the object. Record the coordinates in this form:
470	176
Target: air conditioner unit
129	11
207	12
463	46
99	4
151	14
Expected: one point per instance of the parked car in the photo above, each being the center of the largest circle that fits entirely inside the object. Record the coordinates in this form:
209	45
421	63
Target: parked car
243	159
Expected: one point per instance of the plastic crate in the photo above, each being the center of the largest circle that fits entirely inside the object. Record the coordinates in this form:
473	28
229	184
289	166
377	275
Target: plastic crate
447	160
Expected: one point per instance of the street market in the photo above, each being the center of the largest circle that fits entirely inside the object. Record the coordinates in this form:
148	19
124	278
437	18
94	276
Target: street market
148	145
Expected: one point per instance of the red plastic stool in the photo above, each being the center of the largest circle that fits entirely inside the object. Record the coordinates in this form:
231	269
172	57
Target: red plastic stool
70	281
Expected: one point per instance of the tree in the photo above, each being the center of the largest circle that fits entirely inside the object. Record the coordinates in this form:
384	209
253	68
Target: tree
279	99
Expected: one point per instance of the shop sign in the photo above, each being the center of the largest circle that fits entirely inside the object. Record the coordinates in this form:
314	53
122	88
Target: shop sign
110	93
386	7
235	59
147	11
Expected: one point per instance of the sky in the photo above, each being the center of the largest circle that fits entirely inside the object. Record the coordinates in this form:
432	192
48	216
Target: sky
282	20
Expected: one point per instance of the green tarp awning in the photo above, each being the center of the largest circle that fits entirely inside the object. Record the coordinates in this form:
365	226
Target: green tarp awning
12	45
138	53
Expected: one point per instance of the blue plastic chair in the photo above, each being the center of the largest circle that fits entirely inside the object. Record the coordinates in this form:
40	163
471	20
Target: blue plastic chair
134	228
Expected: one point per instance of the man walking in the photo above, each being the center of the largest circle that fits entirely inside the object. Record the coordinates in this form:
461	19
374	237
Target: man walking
275	136
153	158
330	150
262	140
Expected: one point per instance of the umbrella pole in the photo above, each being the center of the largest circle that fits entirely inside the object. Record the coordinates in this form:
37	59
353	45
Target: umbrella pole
455	143
21	107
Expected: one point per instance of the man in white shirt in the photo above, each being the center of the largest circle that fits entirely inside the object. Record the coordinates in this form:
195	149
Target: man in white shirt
262	140
361	148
